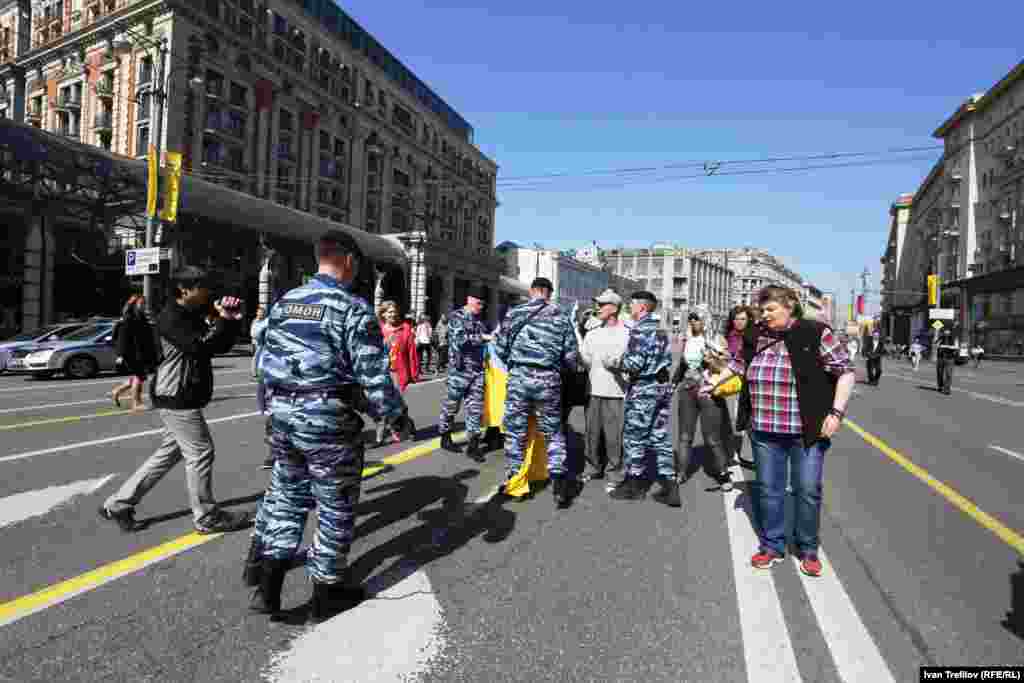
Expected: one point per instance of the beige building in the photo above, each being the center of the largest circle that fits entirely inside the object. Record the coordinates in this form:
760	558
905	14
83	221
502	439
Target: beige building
754	269
682	279
302	108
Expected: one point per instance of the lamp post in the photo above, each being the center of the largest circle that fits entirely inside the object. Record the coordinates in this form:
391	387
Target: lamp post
159	94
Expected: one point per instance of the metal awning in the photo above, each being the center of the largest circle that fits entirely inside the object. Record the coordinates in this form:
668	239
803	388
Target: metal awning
118	177
512	286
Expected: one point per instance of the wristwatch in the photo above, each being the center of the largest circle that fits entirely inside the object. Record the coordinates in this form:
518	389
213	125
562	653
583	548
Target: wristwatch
837	413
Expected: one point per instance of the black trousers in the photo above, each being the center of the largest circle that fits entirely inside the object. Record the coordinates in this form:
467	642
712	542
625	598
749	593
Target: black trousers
712	412
944	370
874	369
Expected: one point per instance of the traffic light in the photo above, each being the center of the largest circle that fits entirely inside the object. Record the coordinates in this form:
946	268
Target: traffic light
933	290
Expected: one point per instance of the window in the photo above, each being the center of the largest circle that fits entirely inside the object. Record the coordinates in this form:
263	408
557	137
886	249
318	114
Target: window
280	24
142	141
146	71
238	93
287	120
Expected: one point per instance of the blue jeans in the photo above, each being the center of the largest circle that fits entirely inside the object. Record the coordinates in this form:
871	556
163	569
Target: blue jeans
772	454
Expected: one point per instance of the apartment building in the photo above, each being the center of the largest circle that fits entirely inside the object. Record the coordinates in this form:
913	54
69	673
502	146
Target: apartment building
753	269
289	102
682	279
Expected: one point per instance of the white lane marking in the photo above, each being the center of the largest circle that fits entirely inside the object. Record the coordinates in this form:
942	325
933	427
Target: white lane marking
49	406
854	652
112	439
22	506
1006	451
74	384
122	437
1001	400
390	637
767	645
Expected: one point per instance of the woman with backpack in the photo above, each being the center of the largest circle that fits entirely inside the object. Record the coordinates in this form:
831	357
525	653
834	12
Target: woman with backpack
136	351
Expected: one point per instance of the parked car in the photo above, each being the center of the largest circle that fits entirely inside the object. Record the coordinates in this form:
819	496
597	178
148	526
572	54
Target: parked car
82	354
9	348
964	354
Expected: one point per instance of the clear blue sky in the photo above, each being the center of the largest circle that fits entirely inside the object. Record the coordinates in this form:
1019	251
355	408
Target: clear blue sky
570	86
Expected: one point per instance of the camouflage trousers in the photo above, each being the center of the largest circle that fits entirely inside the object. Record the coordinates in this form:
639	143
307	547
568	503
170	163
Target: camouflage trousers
540	391
318	451
648	429
465	386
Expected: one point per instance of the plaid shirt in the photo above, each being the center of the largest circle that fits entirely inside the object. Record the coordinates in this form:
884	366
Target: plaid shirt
773	395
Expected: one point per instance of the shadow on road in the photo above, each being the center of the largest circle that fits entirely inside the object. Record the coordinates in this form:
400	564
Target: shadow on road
1014	622
179	514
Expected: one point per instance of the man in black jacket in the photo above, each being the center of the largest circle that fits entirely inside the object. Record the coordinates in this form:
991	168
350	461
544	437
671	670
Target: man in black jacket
874	348
181	388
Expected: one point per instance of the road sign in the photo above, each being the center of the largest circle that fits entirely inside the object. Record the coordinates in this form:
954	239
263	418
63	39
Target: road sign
937	325
142	261
942	314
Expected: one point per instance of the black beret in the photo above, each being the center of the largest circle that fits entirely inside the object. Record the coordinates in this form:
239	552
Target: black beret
477	292
542	283
644	295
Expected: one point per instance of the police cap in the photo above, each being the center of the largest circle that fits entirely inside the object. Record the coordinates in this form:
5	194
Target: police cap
477	292
542	283
645	296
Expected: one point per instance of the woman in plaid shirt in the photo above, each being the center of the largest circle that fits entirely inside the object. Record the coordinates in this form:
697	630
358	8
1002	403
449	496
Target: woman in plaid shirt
799	380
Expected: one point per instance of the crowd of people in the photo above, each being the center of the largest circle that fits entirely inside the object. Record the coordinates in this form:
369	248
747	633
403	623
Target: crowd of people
324	358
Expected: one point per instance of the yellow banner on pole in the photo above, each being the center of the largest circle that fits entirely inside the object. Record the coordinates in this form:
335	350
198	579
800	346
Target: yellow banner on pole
153	183
173	192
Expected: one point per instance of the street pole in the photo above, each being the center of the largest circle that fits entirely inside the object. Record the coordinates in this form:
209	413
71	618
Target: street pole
159	95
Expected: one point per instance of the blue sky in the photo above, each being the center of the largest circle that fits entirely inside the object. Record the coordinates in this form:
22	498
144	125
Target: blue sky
571	86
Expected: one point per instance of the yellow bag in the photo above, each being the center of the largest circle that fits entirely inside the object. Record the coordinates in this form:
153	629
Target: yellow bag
730	386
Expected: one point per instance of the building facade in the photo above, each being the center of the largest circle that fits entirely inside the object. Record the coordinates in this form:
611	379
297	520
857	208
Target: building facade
575	281
813	301
754	269
293	103
898	300
682	279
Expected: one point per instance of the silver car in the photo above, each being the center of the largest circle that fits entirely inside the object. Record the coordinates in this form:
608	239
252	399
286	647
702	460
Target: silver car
14	349
82	354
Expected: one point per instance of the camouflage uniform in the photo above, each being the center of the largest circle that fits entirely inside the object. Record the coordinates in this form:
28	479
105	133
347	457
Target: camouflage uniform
466	372
323	350
646	362
537	342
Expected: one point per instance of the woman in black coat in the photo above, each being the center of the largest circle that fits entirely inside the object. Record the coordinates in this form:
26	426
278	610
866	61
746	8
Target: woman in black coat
136	351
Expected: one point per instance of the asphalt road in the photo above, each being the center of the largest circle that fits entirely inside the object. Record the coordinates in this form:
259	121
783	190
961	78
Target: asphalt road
922	540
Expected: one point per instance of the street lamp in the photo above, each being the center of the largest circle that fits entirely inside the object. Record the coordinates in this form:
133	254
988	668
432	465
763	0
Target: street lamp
159	94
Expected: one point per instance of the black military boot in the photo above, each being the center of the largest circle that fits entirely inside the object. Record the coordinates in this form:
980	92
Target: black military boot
267	598
631	488
253	563
668	492
563	490
330	599
449	445
473	449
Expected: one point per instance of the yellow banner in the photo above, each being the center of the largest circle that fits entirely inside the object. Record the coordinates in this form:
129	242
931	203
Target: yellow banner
933	290
173	193
154	182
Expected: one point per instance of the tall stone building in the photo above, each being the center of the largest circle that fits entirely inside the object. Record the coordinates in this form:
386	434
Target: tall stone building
293	103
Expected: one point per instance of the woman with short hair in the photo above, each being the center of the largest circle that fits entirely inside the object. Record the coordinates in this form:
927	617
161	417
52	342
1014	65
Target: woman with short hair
799	380
739	326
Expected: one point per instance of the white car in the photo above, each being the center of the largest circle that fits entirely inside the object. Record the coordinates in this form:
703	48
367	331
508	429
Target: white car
14	350
82	354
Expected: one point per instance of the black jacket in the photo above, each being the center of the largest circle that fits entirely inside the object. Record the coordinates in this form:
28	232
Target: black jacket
136	344
184	378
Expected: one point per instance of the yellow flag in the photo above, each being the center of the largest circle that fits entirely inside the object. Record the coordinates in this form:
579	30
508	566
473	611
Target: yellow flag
173	192
154	182
933	290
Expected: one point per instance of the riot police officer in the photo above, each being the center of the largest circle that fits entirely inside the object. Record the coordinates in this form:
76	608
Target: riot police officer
648	403
323	360
945	358
467	338
537	343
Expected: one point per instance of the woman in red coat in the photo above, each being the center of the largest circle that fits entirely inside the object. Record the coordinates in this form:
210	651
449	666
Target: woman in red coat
400	340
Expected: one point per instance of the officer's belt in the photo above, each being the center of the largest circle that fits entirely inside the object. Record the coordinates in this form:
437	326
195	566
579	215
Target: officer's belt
536	366
348	393
661	377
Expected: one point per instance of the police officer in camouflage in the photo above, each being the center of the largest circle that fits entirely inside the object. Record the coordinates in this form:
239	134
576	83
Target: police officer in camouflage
323	362
645	366
537	343
467	338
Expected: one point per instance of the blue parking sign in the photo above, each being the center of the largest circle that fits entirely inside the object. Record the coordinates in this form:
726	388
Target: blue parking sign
131	258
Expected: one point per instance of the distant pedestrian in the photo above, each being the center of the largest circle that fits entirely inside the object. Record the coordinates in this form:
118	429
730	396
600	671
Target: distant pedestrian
977	352
874	349
739	327
424	343
916	351
441	337
136	351
181	388
799	380
947	350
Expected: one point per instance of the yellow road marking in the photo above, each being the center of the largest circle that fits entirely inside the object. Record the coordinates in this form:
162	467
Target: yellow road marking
1005	533
65	420
40	600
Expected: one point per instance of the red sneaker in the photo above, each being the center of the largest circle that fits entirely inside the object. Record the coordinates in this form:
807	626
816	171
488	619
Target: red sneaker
765	559
810	565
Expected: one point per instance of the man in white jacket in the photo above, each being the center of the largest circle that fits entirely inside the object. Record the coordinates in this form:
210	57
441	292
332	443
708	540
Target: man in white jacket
607	389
